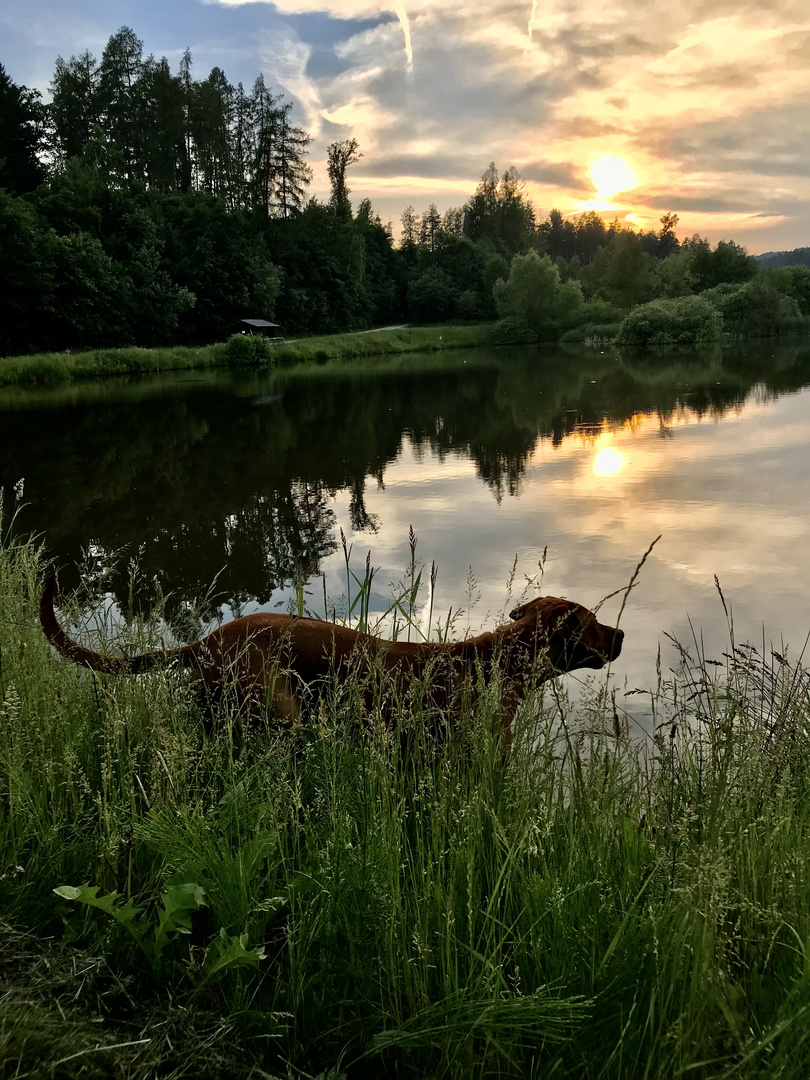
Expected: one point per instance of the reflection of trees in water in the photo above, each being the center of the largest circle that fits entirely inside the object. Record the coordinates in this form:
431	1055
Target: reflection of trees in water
236	481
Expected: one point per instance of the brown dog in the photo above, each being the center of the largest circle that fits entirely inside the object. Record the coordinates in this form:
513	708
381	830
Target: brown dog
269	658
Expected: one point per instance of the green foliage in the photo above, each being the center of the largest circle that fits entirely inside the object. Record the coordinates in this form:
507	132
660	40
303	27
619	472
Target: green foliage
729	262
633	910
757	309
249	350
621	272
592	332
674	275
688	320
176	905
535	295
432	297
512	331
792	281
22	131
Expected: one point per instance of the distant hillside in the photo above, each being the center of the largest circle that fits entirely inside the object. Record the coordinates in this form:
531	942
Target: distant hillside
784	258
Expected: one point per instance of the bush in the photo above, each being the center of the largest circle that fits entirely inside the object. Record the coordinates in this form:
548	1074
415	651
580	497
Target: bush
688	320
756	309
512	331
249	350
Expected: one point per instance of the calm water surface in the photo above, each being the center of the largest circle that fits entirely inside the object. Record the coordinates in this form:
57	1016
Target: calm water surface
490	456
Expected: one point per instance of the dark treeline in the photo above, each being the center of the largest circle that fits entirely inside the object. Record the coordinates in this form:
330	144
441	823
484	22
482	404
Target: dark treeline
148	207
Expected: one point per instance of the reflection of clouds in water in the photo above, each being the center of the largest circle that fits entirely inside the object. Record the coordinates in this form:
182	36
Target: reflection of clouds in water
728	497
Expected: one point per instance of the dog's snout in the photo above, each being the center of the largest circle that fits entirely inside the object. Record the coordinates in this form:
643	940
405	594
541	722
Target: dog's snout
616	642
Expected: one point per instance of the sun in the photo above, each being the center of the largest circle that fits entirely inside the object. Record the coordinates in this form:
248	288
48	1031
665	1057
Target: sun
609	462
611	174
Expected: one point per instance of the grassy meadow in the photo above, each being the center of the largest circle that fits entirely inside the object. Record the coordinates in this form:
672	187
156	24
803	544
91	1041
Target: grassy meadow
98	363
178	901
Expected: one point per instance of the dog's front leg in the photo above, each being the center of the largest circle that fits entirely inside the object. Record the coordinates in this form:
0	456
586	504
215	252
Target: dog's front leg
286	705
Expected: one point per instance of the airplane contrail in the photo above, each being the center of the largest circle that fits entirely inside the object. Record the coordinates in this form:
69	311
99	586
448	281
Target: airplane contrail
402	15
531	18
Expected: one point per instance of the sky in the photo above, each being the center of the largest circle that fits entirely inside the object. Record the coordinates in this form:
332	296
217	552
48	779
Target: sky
633	108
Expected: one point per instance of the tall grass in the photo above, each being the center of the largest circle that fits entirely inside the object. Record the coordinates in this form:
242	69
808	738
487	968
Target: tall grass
595	907
63	367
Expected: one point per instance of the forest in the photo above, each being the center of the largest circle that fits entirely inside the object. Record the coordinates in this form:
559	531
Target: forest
145	207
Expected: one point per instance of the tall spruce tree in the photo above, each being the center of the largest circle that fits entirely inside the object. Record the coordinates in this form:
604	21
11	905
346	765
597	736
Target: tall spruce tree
21	134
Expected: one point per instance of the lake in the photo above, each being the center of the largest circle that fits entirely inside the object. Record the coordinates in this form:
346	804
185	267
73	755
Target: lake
492	456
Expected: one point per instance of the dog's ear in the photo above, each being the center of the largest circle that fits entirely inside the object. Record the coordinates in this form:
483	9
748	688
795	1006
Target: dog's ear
522	610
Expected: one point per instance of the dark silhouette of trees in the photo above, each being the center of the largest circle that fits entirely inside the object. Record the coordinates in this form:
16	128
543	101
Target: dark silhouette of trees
339	156
22	132
148	206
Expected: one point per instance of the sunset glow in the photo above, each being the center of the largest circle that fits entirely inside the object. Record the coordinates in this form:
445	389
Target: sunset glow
611	174
609	461
704	118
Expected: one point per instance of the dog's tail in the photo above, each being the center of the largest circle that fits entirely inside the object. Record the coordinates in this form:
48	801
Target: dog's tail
107	665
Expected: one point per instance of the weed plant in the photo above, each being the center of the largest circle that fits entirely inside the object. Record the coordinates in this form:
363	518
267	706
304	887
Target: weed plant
345	901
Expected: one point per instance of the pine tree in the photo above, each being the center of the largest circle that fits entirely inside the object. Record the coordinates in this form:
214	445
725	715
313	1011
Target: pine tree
75	108
122	112
21	134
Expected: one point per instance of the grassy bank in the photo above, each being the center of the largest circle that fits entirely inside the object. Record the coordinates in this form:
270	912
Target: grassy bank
61	367
332	904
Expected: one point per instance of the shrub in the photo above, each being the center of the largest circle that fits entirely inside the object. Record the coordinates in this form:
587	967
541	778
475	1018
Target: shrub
248	350
512	331
756	309
688	320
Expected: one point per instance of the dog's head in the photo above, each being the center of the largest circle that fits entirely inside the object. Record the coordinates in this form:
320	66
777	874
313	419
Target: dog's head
568	634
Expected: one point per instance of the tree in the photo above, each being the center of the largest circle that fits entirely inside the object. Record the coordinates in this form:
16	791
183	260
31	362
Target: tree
499	213
339	156
26	275
429	227
621	272
591	235
121	111
559	235
754	309
535	294
431	296
728	263
674	276
667	240
410	226
75	108
21	136
162	125
453	221
293	175
264	112
209	107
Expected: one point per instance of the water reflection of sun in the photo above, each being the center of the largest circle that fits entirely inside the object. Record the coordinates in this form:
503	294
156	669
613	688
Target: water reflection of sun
609	461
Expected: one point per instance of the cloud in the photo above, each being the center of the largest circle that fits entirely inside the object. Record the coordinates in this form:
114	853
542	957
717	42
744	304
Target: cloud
286	59
708	98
